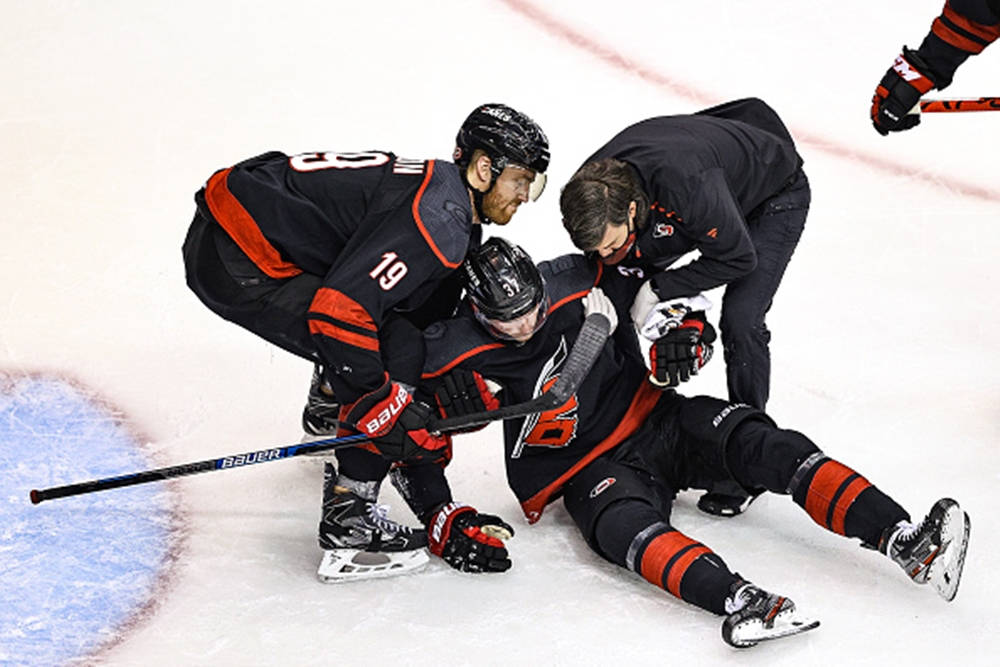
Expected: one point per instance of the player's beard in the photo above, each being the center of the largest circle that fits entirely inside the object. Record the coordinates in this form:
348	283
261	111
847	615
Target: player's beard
500	212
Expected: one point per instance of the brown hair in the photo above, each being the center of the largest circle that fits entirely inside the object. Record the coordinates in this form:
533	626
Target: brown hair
598	194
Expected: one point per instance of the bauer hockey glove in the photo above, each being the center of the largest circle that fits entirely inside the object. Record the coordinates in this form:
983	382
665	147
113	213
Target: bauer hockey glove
467	540
464	392
898	92
681	353
396	423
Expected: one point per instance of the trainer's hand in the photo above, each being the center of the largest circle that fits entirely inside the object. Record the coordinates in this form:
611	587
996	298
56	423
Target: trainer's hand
597	301
898	92
467	540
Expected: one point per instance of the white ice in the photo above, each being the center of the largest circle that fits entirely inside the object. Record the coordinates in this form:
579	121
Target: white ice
886	340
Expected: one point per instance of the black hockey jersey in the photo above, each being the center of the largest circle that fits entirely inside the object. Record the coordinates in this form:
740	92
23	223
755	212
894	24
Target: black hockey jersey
543	451
703	173
964	28
382	231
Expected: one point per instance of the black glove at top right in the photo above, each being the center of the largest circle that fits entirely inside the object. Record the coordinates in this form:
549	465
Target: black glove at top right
899	91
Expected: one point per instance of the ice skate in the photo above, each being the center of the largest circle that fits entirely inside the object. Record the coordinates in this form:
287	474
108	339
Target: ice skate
756	615
932	551
358	538
320	416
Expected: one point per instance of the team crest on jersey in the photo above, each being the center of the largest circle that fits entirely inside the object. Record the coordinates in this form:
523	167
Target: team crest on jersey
662	229
552	428
630	271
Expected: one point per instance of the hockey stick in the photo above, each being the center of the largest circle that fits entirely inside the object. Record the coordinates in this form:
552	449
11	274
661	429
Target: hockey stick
951	106
226	462
583	355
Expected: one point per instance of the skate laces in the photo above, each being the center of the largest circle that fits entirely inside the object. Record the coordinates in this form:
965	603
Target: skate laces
743	597
379	516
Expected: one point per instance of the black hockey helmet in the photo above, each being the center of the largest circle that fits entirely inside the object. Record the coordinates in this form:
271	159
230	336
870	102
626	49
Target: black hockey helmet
505	290
508	137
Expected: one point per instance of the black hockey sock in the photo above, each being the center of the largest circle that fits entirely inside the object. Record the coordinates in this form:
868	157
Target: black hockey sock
361	464
635	535
842	501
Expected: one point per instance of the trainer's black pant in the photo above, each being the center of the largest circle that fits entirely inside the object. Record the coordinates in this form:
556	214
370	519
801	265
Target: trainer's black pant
775	227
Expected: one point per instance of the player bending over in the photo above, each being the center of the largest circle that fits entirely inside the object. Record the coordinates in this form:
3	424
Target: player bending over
621	449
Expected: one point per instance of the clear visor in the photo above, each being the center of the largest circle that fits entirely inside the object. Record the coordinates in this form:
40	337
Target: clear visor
535	187
520	329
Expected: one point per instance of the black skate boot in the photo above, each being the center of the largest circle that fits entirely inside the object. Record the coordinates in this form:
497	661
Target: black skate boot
756	615
727	499
359	539
320	416
932	551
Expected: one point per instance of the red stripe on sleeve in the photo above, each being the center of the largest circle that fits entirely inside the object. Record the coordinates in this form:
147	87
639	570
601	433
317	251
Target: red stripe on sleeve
339	306
343	335
957	40
984	32
243	229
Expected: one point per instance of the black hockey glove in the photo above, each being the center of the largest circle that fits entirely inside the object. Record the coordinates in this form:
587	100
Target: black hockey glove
898	92
467	540
396	423
464	392
682	351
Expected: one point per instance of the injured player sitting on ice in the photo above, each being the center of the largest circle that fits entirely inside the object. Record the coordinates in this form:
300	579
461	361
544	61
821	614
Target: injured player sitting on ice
621	448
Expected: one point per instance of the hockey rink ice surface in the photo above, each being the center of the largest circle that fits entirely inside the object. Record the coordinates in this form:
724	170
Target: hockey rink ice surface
886	330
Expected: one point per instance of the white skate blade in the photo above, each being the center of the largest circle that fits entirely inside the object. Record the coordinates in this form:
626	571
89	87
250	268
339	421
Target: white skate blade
753	631
340	565
945	572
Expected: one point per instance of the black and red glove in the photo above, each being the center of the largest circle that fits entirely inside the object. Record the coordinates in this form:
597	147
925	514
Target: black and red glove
682	351
467	540
396	423
463	392
899	91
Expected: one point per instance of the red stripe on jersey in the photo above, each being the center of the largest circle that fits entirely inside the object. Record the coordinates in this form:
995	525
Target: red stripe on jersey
343	335
420	223
339	306
243	229
460	358
957	40
987	33
642	405
845	501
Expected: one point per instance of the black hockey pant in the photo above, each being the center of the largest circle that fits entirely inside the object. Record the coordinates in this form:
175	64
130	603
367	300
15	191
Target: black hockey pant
622	502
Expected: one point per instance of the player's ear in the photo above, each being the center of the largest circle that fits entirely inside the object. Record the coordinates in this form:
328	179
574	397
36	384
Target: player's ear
482	165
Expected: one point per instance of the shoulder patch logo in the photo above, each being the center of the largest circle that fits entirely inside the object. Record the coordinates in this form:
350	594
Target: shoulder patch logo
713	232
662	229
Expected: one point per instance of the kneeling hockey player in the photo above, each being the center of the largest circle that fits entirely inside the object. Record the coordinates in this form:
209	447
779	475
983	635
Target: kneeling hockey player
620	449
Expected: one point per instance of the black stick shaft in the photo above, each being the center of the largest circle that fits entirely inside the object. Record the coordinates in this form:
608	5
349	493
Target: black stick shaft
223	463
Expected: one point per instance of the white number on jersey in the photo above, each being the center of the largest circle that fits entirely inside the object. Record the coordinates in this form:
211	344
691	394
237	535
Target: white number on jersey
317	161
389	271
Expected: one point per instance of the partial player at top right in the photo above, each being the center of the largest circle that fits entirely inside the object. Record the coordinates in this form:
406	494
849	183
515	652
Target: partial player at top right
964	28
